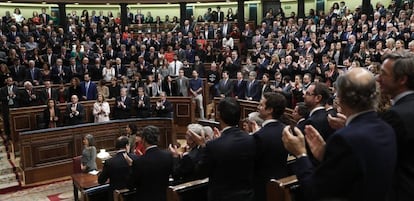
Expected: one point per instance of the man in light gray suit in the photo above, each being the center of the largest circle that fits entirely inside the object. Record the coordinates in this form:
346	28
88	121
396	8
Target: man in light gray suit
182	84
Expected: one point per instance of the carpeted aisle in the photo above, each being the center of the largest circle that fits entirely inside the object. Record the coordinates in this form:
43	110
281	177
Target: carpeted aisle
58	191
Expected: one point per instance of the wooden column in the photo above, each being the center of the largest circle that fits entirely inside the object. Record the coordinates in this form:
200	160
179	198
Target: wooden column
301	8
240	15
62	16
124	15
183	13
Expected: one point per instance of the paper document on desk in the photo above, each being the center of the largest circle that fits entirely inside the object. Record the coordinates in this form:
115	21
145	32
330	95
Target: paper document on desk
94	172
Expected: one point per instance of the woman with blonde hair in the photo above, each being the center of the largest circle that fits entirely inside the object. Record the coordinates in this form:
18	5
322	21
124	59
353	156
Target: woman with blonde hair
101	109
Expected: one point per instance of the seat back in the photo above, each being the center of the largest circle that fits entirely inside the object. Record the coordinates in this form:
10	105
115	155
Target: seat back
124	195
279	190
77	164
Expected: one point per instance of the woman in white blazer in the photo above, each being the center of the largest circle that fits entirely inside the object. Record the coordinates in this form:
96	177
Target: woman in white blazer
101	109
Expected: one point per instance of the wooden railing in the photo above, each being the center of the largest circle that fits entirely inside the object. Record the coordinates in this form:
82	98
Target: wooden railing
30	118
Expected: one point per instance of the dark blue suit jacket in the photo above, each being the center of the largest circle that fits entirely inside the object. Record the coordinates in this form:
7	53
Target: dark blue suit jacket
119	111
151	173
254	91
92	91
228	161
319	120
358	163
400	117
117	170
271	157
239	90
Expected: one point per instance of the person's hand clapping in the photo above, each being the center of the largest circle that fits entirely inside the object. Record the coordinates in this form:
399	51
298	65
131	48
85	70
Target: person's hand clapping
295	144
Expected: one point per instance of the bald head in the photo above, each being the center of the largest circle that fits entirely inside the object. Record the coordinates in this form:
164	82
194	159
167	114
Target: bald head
357	90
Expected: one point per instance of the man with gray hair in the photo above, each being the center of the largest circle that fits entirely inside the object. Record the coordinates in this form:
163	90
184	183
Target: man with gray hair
357	162
184	163
253	88
33	73
28	96
396	79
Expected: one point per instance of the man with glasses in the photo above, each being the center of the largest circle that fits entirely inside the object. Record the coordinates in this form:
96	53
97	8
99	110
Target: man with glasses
315	99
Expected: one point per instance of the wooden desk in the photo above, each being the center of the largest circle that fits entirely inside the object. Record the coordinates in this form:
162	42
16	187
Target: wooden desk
48	153
87	183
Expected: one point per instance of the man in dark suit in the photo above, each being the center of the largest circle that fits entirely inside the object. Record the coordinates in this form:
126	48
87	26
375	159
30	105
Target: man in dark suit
74	111
187	28
225	86
88	88
271	155
47	93
123	104
17	71
59	72
239	88
163	107
315	99
9	98
169	86
228	161
253	88
118	169
44	17
394	81
120	69
352	163
220	15
351	48
151	171
185	163
74	70
28	97
143	104
49	57
33	74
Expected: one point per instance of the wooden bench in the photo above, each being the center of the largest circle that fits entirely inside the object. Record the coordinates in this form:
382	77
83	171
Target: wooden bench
189	191
48	153
279	190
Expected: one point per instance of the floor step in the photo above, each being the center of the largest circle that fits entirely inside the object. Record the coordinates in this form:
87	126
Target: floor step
7	178
8	185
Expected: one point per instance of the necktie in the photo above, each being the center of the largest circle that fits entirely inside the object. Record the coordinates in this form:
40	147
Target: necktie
250	87
32	72
87	88
49	94
175	67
